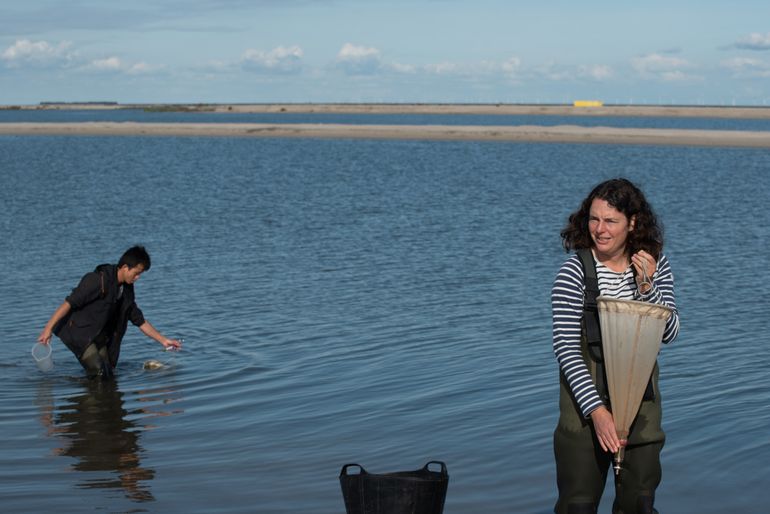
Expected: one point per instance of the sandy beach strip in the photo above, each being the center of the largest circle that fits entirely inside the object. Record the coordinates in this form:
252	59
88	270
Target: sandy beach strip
522	133
665	111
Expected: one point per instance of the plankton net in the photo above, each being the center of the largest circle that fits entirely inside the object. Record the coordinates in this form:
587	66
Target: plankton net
631	335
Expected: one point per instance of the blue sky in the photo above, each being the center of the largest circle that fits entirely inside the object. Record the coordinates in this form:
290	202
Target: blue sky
222	51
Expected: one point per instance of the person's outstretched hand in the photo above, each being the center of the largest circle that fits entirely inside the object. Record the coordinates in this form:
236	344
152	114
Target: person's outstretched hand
45	336
171	344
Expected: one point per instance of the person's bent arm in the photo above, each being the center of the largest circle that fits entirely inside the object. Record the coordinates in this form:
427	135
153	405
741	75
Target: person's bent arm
63	310
662	292
567	307
150	331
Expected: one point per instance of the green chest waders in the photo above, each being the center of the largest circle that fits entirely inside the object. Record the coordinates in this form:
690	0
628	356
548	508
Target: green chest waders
581	464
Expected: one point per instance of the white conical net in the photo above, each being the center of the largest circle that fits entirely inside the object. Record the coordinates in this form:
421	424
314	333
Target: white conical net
631	335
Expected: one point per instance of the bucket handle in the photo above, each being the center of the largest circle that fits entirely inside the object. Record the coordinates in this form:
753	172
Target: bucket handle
443	467
344	471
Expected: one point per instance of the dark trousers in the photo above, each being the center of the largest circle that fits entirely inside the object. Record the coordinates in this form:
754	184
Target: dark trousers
582	466
581	473
95	360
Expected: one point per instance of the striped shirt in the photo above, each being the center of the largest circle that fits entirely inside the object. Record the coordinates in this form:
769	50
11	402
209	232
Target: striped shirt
567	299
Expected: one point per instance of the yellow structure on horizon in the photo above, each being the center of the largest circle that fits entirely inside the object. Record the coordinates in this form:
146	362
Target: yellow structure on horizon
587	103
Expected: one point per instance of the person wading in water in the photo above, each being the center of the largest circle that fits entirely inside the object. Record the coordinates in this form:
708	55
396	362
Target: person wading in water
93	318
618	243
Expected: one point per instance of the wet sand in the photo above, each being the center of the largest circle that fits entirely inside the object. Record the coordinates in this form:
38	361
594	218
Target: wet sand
562	133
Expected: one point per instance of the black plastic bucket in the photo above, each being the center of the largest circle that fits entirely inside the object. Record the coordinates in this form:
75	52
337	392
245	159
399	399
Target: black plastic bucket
405	492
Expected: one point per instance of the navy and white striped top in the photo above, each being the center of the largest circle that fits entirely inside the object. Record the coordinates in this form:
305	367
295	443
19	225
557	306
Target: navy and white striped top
567	299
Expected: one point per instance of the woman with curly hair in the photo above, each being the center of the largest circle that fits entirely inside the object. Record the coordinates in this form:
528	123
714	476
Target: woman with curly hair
618	245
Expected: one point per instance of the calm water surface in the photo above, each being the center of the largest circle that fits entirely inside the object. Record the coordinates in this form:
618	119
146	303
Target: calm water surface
384	303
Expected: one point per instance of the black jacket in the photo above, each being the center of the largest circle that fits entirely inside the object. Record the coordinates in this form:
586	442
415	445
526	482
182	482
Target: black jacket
98	314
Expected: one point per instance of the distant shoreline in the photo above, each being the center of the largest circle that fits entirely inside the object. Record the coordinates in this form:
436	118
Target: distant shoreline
388	108
519	133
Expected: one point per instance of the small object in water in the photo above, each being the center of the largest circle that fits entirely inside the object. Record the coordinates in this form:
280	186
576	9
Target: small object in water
153	364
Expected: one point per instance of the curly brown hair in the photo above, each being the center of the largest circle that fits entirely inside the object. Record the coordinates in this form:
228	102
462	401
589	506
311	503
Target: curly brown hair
624	196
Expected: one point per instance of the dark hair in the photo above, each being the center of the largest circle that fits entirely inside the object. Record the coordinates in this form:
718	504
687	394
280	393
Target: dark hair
624	196
135	256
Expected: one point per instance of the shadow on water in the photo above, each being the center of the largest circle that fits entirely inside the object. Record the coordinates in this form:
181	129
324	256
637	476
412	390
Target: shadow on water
97	429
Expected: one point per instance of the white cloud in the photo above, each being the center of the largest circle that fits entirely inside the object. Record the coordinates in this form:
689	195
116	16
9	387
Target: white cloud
358	60
402	68
673	76
597	72
442	68
41	54
661	67
754	41
350	51
363	60
114	64
142	67
213	68
747	67
38	54
280	59
511	66
742	63
107	64
551	71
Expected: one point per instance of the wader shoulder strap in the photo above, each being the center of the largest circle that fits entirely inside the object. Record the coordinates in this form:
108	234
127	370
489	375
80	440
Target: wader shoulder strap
590	309
593	332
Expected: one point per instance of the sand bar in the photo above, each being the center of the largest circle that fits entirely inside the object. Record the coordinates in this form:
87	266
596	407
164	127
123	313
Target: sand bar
501	109
521	133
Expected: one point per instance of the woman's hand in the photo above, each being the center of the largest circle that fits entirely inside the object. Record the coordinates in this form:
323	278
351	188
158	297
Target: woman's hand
604	425
645	265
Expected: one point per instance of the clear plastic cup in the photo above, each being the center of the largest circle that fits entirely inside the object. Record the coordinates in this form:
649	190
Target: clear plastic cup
42	355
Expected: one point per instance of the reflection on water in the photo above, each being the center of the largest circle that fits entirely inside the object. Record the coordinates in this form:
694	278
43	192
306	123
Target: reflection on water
97	429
